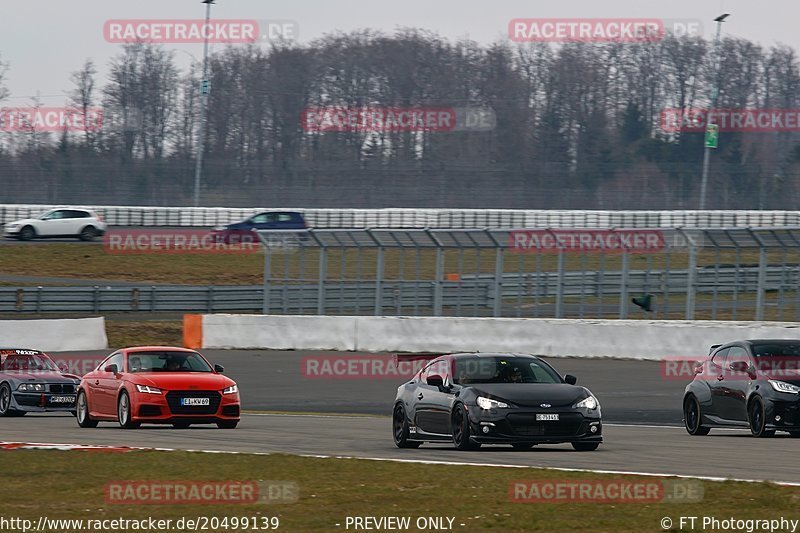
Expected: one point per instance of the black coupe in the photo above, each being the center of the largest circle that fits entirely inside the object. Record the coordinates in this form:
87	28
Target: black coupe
484	398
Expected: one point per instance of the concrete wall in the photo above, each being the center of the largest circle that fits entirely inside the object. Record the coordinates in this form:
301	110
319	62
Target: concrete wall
54	335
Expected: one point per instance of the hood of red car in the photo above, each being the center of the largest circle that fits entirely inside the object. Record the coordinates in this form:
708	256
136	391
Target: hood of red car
182	380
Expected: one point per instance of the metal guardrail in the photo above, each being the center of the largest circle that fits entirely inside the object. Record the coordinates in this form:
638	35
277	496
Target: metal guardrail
726	273
427	218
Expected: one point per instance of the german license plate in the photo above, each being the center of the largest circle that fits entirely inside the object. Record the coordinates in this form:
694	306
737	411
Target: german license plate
542	417
62	399
195	401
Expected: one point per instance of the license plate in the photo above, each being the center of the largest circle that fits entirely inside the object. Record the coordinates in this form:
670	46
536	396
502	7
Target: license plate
546	416
62	399
195	401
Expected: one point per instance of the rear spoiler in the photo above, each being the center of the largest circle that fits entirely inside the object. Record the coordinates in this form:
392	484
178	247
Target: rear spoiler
426	356
713	347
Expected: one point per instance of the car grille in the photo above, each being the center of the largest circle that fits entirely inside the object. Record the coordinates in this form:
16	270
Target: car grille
64	388
230	410
150	410
174	402
526	425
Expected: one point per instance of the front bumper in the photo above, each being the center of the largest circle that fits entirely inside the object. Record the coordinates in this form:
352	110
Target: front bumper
165	408
11	233
42	402
783	415
504	426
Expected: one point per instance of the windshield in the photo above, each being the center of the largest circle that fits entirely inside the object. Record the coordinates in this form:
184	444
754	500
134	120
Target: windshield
23	362
167	361
503	370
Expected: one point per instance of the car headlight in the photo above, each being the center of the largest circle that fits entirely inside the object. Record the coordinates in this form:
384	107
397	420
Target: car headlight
782	386
147	389
589	402
486	403
231	390
12	225
31	387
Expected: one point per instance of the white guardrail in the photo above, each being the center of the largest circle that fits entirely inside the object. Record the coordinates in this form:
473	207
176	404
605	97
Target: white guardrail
427	218
629	339
62	335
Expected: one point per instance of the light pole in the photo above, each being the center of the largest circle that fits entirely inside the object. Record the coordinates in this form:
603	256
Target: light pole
205	89
711	129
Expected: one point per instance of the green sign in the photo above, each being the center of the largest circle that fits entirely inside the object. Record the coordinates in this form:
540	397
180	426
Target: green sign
712	136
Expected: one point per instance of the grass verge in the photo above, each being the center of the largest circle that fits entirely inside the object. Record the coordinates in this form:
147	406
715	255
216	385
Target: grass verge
332	489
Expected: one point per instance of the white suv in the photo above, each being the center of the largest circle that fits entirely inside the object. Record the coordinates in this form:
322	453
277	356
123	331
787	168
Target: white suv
63	222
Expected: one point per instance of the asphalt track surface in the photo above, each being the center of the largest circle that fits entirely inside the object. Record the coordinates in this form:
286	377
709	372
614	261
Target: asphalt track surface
633	394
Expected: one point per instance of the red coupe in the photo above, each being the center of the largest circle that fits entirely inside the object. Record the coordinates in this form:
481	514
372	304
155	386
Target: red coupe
157	385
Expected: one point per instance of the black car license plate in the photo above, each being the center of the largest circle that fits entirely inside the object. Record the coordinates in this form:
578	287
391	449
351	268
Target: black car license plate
544	417
195	401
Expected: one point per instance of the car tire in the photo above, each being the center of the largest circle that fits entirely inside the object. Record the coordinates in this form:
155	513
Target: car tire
82	412
523	445
585	446
5	402
462	439
27	233
124	412
692	417
181	425
400	429
227	424
88	234
757	418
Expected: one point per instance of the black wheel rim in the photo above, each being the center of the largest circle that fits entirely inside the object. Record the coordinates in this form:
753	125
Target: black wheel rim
5	399
755	416
692	418
398	424
458	429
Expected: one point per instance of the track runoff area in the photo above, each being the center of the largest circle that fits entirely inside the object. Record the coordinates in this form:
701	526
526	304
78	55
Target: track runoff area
314	451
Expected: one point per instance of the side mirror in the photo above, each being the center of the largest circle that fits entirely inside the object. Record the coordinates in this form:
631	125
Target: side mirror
743	367
219	369
569	378
435	381
111	369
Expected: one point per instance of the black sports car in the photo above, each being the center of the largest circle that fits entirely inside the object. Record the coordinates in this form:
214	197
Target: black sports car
31	382
754	383
483	398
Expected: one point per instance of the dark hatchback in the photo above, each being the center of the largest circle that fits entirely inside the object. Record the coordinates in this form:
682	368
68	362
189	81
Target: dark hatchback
268	220
750	384
472	399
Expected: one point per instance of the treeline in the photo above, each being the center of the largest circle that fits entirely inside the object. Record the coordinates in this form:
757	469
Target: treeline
577	126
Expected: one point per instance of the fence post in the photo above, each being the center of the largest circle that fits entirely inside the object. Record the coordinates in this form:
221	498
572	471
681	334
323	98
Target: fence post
691	277
560	284
762	278
623	285
267	278
497	308
323	269
379	272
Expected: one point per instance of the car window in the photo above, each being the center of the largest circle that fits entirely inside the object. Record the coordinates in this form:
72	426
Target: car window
259	219
166	361
79	214
503	370
115	359
736	354
718	360
285	217
55	215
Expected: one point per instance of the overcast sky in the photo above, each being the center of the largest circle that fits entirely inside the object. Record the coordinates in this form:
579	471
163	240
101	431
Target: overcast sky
45	40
